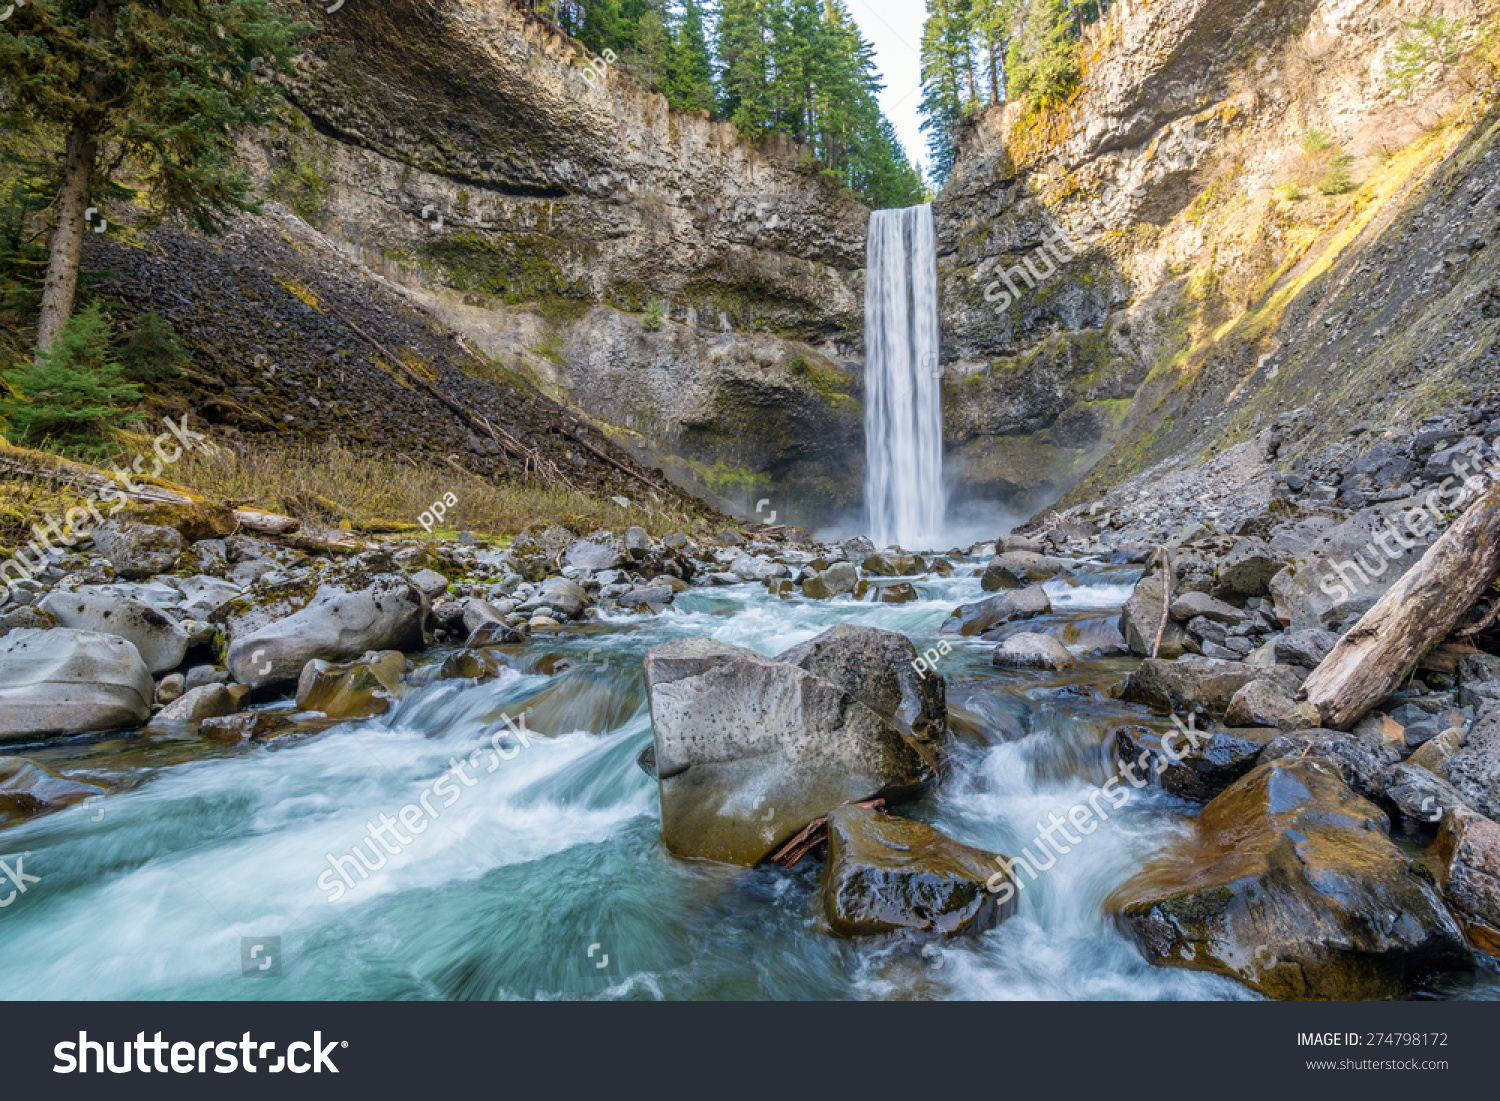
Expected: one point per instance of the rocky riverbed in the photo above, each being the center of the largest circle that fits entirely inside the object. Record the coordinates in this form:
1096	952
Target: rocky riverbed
755	766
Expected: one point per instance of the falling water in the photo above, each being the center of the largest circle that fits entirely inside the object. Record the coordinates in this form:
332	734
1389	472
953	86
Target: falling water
904	410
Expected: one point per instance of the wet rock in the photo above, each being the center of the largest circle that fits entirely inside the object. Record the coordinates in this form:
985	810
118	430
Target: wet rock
388	613
199	675
161	643
749	750
481	613
1292	887
471	664
836	580
1363	766
1017	569
1474	769
885	564
1032	651
244	727
637	543
653	598
1194	684
974	619
1420	796
27	789
877	668
353	691
138	551
1204	767
886	874
1140	619
1306	648
1468	846
209	702
493	634
67	681
901	593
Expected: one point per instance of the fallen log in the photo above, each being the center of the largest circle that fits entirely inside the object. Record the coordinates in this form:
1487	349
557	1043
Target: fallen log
815	833
1416	614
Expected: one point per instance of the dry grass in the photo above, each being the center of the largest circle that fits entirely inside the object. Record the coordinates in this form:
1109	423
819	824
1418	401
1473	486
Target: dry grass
332	486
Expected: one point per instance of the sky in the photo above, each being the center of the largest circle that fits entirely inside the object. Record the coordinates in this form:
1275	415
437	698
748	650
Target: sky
894	28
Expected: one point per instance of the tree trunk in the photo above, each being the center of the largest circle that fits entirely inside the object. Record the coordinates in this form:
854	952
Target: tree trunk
1416	614
66	249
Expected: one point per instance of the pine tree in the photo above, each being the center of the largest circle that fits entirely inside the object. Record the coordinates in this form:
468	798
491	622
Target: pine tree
157	91
152	352
75	391
691	83
650	55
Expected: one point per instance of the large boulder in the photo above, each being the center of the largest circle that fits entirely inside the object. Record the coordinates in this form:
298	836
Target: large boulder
1263	703
975	619
1474	768
1468	849
1017	569
887	564
1306	648
64	681
1246	572
565	597
1195	683
161	643
878	668
1140	619
836	580
886	875
389	613
749	750
1292	887
601	551
138	551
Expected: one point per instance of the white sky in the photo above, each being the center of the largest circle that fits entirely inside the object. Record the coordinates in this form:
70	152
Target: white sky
894	27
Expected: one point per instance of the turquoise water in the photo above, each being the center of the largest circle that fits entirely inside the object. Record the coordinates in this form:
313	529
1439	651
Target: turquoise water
546	878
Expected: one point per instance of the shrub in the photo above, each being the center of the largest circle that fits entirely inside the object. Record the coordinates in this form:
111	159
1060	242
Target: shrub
75	393
655	314
151	352
1438	42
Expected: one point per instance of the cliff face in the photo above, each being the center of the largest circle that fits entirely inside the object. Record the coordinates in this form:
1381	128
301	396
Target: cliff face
1266	234
571	200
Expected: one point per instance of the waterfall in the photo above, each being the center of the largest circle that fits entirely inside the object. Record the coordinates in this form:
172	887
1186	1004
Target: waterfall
904	498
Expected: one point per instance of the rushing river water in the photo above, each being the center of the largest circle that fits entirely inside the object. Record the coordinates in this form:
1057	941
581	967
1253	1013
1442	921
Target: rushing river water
546	878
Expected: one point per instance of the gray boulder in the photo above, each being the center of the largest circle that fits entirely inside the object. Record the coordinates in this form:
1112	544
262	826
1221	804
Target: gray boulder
67	681
877	668
975	619
749	750
600	551
432	583
1195	605
1017	569
389	613
209	702
1193	683
1260	703
138	551
1479	682
1469	848
1306	648
1140	619
1246	572
836	580
1032	651
161	643
562	595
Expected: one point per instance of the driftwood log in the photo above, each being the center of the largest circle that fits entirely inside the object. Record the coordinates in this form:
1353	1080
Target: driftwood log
1416	614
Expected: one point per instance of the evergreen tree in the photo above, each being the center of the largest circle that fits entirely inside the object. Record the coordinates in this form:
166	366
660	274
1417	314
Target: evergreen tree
157	91
75	391
649	58
151	352
691	82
